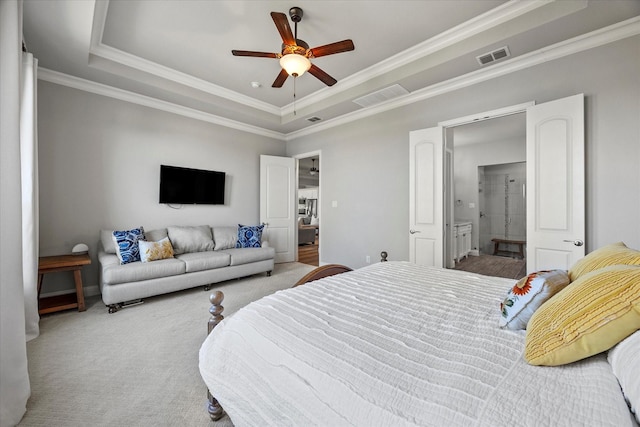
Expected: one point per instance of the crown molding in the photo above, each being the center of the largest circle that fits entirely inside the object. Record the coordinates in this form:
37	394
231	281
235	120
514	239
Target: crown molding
147	101
489	19
612	33
118	56
499	15
615	32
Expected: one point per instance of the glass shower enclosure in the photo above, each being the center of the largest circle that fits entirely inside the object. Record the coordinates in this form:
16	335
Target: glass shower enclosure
502	204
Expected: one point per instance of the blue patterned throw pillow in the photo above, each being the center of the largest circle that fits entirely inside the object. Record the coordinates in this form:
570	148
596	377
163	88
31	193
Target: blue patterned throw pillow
249	236
127	246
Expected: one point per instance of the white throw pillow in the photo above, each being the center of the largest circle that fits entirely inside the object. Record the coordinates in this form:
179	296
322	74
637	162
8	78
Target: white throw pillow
315	220
528	294
624	359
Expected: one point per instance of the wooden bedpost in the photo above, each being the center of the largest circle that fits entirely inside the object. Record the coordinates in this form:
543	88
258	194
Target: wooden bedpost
213	407
216	310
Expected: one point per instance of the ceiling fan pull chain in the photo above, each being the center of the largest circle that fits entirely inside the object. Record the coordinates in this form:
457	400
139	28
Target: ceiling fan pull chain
294	94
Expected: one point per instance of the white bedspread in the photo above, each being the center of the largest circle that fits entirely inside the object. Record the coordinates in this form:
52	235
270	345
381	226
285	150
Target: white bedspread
396	344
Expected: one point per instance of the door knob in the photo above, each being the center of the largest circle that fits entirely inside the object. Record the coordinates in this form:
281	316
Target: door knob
576	242
412	231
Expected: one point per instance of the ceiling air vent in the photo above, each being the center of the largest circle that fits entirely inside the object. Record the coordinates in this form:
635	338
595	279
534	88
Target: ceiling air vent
381	95
314	119
487	58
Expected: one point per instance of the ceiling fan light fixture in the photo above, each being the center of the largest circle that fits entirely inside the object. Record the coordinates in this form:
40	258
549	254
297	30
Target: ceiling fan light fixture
295	64
313	170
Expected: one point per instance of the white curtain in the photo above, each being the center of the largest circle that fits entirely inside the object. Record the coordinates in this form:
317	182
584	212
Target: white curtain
14	376
29	173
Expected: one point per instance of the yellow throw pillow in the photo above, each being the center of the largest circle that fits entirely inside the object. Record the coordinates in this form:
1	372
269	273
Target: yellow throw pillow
153	251
587	317
614	254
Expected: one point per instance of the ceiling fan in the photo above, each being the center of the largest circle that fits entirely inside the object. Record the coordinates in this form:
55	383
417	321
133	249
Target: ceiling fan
295	53
314	170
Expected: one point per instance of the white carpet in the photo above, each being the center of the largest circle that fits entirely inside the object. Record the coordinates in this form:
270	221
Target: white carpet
137	367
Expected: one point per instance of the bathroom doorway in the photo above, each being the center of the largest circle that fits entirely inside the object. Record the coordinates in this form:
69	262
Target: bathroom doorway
489	173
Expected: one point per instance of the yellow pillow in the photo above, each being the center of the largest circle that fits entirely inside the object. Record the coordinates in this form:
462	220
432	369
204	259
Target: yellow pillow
587	317
153	251
614	254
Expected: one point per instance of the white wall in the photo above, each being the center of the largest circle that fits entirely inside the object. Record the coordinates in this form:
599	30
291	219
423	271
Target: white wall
365	163
99	160
100	166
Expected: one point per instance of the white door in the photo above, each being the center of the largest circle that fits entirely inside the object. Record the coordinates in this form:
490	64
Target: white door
278	205
555	181
426	225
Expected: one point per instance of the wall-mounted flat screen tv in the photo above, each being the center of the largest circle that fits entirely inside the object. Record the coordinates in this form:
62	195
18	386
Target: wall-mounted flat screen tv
191	186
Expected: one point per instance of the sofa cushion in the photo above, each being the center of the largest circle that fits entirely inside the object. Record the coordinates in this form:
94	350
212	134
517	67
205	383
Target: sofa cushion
241	256
186	239
155	235
198	261
114	273
106	238
225	237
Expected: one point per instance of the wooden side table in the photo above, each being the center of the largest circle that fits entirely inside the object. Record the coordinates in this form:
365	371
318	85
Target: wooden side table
53	264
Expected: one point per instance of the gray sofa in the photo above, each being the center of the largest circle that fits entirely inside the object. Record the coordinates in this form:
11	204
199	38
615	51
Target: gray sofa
202	255
306	235
306	231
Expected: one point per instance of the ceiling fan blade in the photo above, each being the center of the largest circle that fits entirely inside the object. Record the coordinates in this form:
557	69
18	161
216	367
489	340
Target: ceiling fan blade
322	76
330	49
282	24
255	54
282	77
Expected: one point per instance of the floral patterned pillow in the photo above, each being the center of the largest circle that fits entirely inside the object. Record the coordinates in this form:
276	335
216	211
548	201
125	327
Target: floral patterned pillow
153	251
528	294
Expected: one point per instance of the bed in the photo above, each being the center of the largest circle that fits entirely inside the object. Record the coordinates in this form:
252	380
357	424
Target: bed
396	344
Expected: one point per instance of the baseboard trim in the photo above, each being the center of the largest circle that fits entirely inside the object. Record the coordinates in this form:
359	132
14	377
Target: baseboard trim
474	252
89	291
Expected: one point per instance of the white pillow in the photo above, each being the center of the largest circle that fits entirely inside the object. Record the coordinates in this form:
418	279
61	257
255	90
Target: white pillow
315	220
153	251
528	294
624	359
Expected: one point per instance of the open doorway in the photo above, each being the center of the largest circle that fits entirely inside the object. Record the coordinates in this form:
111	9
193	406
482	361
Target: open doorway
308	209
488	198
554	152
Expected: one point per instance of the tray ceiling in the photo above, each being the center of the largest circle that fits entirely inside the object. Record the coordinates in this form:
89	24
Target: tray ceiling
176	55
